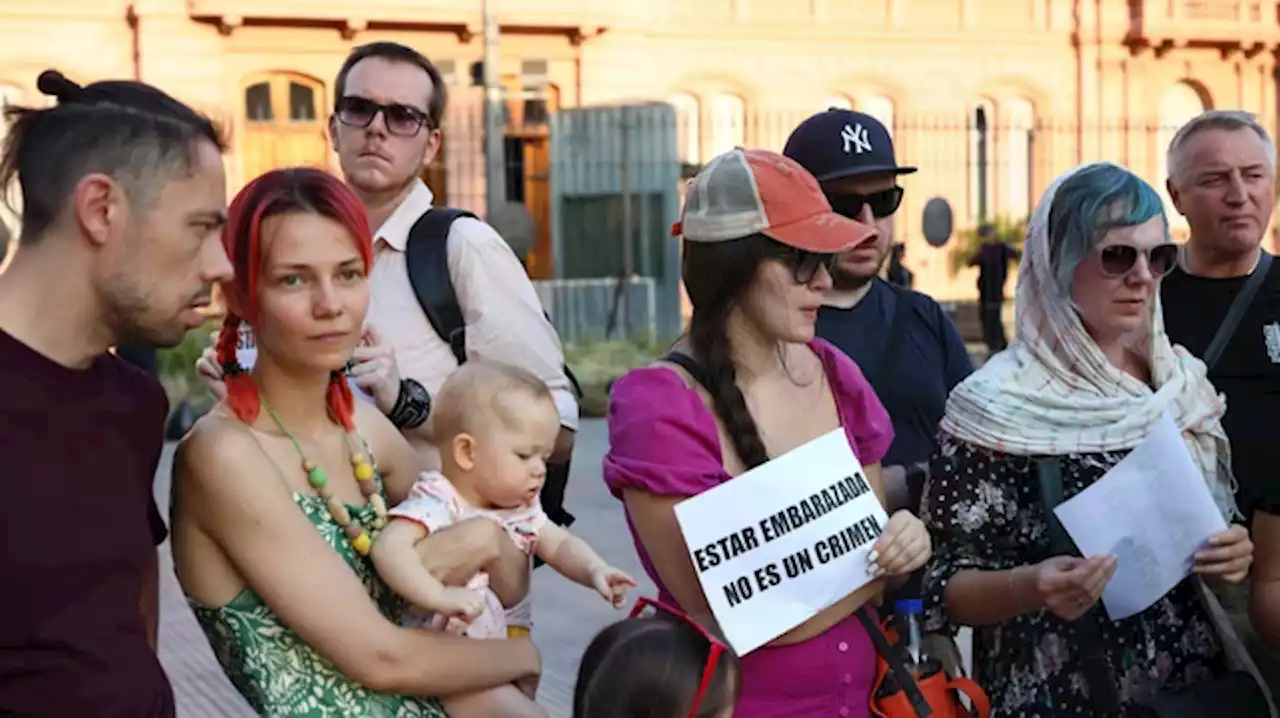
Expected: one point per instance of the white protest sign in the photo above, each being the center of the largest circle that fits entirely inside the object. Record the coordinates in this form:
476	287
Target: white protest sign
247	354
784	541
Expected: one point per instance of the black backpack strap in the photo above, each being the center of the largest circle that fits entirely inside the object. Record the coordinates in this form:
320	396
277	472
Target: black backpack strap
690	365
893	345
427	257
1237	310
1102	690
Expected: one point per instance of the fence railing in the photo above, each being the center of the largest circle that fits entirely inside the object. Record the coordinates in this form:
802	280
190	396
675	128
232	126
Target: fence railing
600	309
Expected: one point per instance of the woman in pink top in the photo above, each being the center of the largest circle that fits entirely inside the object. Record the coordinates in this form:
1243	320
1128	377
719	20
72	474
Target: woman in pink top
749	382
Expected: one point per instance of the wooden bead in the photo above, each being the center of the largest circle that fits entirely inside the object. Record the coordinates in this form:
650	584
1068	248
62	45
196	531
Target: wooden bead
379	505
338	510
317	477
364	472
358	458
352	531
362	544
308	465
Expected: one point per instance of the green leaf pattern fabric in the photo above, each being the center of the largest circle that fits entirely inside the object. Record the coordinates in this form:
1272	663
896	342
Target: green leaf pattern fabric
279	674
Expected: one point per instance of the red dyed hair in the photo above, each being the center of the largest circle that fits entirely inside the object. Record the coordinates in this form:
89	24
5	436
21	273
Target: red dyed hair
279	192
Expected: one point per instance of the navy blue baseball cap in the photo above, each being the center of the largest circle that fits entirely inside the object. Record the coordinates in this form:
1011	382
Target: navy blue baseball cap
842	143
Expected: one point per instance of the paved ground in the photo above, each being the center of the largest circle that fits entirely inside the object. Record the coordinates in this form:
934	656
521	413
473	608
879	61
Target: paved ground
566	615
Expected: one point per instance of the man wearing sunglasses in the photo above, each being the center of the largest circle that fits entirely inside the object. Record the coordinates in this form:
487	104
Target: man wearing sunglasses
904	343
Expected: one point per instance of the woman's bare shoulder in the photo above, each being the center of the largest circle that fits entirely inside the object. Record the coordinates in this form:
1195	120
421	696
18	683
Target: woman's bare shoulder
219	446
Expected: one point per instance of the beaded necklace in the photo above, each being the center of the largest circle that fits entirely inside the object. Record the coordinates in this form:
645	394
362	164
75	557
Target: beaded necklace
319	481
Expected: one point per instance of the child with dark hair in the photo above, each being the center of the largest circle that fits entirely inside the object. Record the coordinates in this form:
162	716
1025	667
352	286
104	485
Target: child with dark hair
659	663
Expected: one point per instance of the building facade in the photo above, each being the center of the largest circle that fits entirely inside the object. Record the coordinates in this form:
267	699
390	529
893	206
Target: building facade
990	98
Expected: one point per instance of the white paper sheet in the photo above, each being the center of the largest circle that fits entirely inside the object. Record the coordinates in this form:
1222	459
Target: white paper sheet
1152	511
780	543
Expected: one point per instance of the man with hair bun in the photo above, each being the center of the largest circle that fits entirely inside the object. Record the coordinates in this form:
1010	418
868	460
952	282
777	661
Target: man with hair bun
124	197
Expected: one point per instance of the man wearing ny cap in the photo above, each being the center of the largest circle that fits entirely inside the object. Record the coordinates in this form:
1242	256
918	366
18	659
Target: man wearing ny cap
904	343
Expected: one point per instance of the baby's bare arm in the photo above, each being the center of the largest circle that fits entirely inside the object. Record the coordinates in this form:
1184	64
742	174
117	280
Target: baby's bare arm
398	564
569	555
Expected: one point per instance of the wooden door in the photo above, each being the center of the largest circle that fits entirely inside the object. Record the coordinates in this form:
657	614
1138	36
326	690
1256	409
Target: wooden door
284	125
537	199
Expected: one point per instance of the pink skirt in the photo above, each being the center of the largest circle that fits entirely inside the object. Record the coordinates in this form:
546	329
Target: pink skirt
829	675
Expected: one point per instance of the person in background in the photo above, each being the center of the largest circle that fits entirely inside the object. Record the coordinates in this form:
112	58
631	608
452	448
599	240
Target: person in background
1090	374
1222	178
389	105
992	260
123	197
659	663
897	273
906	346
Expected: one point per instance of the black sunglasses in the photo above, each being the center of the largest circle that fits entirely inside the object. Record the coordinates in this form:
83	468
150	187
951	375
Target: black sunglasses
1118	260
883	203
401	120
804	264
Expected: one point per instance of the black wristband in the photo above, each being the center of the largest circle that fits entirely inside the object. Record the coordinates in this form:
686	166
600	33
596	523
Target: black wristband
412	407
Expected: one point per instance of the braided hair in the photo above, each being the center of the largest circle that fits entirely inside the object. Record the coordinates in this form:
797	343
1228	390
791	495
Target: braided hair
274	193
716	276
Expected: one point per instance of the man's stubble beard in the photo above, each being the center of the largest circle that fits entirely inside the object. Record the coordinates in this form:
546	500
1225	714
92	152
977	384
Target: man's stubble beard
845	281
133	318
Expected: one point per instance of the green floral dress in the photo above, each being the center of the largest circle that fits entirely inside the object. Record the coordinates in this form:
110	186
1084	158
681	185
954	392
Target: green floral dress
276	671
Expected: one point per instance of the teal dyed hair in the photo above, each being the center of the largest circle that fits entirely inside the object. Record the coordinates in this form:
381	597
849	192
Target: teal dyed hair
1087	205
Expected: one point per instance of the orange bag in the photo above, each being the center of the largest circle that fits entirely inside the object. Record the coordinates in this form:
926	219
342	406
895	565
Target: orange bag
934	695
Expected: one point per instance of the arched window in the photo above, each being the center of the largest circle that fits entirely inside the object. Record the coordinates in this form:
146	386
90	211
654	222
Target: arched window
726	124
981	117
881	108
1180	103
839	102
1018	122
688	135
284	118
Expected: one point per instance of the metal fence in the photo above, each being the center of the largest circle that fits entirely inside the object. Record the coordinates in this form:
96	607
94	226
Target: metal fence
598	309
613	184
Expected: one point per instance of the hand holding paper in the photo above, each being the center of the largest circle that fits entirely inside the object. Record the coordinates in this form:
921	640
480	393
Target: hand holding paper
1069	585
1228	557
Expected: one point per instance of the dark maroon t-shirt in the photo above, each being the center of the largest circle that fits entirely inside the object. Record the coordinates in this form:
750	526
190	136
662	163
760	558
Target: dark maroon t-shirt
78	528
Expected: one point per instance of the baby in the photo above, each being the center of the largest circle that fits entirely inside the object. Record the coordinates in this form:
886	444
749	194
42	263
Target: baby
495	425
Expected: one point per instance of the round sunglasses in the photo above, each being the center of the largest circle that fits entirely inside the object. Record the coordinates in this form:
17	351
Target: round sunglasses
1118	260
401	120
883	203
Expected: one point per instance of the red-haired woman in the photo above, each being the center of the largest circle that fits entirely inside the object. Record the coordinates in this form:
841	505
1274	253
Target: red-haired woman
277	491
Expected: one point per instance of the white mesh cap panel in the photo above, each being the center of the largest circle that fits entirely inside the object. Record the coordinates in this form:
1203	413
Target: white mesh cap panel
723	201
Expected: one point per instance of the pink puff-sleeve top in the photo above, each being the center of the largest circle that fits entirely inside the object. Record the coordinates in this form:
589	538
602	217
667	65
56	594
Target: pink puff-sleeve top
663	440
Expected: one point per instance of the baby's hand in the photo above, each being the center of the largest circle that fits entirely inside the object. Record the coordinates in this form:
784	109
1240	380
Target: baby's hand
461	603
611	583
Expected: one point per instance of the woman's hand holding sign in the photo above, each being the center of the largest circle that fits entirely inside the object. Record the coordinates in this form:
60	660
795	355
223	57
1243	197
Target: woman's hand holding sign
904	546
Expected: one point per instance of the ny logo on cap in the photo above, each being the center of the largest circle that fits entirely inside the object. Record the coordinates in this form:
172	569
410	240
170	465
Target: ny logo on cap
855	139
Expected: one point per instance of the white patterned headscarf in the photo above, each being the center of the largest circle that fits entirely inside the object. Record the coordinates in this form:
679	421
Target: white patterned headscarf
1053	392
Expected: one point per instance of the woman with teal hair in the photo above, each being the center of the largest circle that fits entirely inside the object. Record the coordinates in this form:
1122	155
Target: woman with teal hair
1090	373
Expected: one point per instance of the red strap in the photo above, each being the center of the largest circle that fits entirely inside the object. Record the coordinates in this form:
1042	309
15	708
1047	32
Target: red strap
981	704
